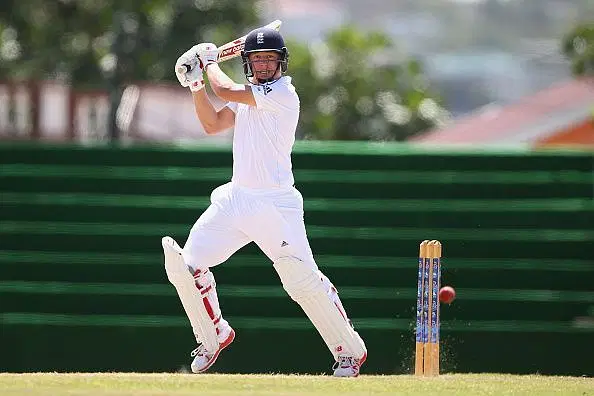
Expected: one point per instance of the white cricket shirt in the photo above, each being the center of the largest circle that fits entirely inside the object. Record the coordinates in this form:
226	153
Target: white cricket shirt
264	136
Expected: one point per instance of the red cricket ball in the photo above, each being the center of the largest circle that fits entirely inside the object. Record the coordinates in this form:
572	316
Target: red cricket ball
447	294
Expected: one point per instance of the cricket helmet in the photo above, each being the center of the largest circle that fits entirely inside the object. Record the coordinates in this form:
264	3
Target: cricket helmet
260	40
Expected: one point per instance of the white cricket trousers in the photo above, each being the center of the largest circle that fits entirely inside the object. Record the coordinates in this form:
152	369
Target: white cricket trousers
273	219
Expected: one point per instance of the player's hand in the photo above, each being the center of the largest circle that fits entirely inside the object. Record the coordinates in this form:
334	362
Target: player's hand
208	54
192	78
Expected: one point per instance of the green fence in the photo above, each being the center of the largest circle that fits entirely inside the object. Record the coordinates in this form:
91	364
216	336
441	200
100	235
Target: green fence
82	285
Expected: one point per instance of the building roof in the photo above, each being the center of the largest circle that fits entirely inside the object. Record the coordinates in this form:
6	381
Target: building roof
531	119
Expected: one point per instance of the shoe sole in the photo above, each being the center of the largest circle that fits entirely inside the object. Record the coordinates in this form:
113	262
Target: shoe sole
222	346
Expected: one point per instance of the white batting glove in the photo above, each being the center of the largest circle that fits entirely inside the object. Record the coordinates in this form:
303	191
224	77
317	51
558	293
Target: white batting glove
208	54
190	78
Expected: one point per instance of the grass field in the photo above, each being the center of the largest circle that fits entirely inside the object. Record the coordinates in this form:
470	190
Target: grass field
112	384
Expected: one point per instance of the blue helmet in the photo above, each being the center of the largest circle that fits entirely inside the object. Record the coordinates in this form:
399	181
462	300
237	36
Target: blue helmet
264	39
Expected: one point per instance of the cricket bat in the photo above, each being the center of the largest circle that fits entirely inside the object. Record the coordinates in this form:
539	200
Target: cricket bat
230	50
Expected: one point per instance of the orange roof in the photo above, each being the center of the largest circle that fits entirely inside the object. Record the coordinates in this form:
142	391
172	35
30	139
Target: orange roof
581	134
532	118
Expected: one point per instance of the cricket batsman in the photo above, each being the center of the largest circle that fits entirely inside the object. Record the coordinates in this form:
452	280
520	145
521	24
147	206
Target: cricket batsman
259	204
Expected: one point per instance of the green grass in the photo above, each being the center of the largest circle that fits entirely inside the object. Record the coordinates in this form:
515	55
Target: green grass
112	384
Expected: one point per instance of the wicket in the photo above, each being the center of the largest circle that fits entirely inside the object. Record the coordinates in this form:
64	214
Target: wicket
427	328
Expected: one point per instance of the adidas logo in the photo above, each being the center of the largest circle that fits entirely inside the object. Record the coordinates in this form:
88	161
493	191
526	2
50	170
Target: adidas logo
284	243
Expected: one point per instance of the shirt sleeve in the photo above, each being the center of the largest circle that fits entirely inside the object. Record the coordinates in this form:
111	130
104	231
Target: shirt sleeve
232	106
276	98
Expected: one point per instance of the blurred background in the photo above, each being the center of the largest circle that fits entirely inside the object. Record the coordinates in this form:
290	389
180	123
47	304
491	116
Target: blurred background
467	121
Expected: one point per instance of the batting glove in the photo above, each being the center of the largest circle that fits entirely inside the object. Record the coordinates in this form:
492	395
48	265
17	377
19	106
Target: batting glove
191	78
208	54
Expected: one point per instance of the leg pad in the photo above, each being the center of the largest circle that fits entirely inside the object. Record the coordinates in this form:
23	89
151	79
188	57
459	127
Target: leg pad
309	290
180	276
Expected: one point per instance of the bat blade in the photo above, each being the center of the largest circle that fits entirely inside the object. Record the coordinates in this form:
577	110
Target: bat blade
230	50
233	49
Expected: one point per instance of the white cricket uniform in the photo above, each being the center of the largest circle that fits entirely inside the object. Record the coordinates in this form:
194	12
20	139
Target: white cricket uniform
260	203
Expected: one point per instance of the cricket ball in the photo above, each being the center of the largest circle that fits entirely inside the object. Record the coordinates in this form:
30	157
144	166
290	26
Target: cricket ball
447	294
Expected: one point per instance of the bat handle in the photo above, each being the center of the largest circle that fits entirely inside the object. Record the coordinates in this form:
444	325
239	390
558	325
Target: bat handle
184	68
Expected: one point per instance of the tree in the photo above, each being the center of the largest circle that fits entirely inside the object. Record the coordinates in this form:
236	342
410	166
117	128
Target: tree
353	85
109	43
85	42
356	86
578	46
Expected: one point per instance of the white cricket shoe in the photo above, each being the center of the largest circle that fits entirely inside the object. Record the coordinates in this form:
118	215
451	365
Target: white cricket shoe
348	366
203	359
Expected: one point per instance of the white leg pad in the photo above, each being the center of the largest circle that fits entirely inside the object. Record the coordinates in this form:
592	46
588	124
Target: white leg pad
180	276
333	294
205	281
309	288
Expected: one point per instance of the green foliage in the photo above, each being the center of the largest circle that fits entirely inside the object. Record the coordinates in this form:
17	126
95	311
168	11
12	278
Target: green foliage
356	86
75	40
578	46
353	85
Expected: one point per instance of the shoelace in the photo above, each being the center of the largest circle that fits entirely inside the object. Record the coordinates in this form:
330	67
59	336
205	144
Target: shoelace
344	361
200	350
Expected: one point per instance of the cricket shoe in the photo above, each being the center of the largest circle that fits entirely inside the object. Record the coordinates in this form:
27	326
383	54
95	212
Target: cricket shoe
203	359
348	366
